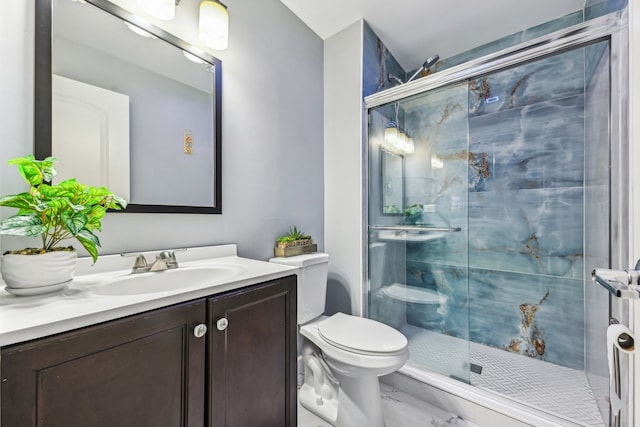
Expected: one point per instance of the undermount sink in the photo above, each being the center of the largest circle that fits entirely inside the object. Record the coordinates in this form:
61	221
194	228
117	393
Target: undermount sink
168	280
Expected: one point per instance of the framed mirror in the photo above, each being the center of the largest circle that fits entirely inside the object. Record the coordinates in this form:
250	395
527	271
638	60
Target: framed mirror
392	182
124	104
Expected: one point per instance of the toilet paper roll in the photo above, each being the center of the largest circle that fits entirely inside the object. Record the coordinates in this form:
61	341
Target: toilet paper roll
614	333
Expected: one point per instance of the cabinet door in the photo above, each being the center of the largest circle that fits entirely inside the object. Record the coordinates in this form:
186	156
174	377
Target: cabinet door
252	361
143	370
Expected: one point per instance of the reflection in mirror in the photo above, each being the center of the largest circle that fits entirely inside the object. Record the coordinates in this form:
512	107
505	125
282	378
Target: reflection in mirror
392	184
131	107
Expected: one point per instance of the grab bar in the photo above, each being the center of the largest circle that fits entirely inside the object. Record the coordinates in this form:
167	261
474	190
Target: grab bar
415	228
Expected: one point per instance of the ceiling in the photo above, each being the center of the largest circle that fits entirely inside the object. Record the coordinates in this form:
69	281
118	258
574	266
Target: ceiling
416	29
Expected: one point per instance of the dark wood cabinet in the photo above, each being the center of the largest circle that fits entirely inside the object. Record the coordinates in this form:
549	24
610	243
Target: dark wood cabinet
252	356
151	369
143	370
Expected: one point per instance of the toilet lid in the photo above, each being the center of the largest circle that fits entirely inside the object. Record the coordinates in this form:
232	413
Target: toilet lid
361	335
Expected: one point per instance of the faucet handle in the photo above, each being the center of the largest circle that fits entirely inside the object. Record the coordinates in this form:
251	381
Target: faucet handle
169	258
139	265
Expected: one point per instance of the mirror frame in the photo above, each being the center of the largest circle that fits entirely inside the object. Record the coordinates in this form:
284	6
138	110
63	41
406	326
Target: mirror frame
383	153
43	97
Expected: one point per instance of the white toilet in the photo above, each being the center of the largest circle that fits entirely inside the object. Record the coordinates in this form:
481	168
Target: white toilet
343	355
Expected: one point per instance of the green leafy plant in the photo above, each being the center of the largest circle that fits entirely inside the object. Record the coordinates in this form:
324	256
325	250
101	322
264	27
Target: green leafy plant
413	214
293	235
57	212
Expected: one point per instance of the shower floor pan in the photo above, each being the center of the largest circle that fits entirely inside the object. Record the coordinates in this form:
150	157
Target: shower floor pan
561	391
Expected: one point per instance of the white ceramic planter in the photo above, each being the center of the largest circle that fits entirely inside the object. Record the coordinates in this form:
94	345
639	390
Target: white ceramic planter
37	271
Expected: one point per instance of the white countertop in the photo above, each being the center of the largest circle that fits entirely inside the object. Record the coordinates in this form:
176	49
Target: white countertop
25	318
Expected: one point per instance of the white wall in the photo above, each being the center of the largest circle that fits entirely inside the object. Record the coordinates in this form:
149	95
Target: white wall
16	87
343	183
272	132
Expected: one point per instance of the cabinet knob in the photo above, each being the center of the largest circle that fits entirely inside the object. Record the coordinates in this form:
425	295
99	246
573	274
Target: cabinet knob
222	324
200	330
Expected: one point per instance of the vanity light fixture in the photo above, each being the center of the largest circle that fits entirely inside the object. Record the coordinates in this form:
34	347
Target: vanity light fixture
164	10
213	21
214	25
396	139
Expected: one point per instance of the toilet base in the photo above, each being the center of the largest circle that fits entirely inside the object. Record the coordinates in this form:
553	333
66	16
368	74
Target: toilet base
327	409
358	405
359	402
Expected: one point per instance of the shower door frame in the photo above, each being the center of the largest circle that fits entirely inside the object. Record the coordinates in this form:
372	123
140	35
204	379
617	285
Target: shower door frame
613	28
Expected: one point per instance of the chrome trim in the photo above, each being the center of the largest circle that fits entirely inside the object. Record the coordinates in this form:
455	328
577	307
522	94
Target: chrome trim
415	228
563	39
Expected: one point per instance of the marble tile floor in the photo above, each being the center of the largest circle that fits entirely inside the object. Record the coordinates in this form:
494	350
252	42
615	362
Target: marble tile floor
400	410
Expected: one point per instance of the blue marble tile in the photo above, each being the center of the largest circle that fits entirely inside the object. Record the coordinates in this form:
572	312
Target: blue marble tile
496	314
557	24
595	9
451	317
527	84
489	307
537	146
528	231
510	41
595	55
378	62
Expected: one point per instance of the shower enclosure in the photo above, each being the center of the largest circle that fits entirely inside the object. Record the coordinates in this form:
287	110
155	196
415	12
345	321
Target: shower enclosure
493	190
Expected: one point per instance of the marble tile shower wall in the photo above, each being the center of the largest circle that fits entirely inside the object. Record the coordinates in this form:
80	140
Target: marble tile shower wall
378	63
517	193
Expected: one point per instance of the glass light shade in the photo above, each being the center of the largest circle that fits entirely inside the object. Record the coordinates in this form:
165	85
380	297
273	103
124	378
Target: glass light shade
160	9
402	141
391	138
410	146
214	25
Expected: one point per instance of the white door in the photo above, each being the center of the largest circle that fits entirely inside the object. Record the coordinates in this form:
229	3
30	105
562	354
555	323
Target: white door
91	135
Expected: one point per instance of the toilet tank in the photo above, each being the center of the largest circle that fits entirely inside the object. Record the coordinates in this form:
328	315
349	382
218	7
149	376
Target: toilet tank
312	283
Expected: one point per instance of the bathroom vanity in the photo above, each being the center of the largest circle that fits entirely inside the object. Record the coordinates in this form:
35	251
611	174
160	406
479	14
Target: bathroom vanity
216	354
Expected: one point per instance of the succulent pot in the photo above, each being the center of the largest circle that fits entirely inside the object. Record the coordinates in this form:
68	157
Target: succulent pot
300	242
42	271
295	247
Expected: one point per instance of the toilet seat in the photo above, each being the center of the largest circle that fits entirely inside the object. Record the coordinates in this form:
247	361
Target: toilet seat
362	336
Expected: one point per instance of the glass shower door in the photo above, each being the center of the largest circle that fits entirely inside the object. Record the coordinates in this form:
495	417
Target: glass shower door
418	222
490	201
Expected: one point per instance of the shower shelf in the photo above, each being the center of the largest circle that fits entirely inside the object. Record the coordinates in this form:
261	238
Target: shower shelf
411	233
418	228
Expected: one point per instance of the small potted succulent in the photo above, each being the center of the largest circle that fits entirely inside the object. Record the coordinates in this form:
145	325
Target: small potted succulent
295	242
67	210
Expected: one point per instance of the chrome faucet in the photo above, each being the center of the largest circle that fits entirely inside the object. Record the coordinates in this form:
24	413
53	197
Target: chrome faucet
165	260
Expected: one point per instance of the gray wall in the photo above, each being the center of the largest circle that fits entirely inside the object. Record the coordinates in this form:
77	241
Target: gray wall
272	135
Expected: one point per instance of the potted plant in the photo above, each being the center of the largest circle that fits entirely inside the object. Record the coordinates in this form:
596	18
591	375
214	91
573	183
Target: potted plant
68	210
295	242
